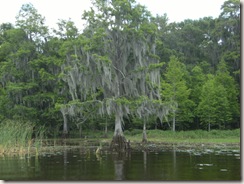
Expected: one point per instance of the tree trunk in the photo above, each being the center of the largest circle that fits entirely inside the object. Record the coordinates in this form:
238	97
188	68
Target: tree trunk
144	134
209	127
106	129
80	130
118	126
65	126
119	142
173	125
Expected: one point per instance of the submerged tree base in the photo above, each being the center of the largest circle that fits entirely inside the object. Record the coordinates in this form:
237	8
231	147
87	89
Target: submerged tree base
65	135
119	144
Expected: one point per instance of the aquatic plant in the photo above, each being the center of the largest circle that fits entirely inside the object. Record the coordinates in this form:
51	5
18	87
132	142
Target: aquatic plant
16	136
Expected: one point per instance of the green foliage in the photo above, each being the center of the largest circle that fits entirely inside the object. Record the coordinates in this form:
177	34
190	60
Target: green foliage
218	101
175	91
214	106
223	77
114	65
197	80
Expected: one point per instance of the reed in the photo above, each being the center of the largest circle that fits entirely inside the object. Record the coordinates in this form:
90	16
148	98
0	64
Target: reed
40	135
16	136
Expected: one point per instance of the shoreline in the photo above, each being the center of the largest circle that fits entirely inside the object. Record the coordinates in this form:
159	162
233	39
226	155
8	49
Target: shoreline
85	146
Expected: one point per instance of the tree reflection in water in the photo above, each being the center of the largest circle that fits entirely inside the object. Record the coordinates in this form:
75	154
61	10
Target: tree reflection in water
119	162
119	169
65	164
145	162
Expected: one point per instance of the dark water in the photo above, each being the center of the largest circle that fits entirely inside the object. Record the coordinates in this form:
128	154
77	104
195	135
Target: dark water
165	165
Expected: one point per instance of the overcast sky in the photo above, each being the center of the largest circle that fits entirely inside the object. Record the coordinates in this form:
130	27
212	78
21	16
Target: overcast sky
176	10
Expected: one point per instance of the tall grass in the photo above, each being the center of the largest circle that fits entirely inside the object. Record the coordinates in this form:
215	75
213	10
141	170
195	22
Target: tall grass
16	136
39	136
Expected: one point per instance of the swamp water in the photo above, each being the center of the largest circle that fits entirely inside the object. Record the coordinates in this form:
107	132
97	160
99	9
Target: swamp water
165	165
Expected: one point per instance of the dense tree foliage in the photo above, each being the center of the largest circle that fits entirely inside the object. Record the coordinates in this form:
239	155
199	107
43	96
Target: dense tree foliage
126	67
175	90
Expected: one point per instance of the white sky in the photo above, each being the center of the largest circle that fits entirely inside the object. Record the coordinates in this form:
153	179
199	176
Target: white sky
176	10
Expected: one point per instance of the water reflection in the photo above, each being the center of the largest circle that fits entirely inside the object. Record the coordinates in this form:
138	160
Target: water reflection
18	167
174	160
99	158
119	162
145	161
165	165
119	169
65	164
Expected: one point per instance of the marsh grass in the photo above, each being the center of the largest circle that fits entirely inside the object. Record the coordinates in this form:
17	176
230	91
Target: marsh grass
39	136
16	136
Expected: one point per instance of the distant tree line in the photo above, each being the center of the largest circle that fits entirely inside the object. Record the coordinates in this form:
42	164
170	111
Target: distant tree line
125	70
